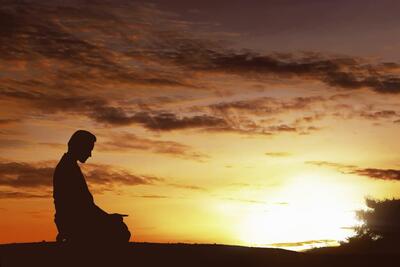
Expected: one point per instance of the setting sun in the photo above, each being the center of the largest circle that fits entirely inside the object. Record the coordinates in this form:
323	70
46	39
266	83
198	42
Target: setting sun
309	208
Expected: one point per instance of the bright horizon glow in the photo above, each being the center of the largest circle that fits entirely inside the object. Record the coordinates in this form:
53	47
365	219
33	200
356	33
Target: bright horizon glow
316	209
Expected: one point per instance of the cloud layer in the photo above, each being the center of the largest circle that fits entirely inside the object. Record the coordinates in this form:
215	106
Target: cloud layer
35	179
30	180
101	55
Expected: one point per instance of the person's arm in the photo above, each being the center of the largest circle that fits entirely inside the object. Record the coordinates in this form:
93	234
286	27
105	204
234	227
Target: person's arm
118	217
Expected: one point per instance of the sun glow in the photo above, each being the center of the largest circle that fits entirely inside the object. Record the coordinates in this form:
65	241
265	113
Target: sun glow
308	209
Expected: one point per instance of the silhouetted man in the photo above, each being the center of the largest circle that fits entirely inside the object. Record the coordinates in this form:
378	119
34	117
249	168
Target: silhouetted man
77	217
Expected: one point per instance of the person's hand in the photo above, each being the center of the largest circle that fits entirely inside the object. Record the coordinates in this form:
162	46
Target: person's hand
118	217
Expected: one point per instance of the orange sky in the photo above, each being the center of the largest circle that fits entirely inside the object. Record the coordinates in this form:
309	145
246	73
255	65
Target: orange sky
266	132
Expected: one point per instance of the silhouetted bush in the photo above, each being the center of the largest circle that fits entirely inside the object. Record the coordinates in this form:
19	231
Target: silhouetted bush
381	228
382	220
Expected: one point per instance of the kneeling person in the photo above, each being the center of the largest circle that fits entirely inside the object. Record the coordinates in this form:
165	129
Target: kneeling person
78	218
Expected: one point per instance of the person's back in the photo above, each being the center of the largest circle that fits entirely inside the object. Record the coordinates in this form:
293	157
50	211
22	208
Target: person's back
77	217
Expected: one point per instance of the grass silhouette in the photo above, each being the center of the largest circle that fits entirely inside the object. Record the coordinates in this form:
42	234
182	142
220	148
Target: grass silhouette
152	254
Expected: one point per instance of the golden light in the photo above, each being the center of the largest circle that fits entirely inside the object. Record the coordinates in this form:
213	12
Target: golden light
309	209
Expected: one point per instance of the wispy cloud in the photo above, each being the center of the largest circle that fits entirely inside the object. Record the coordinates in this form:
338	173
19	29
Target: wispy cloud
128	141
335	165
186	186
323	242
152	196
278	154
249	201
373	173
22	195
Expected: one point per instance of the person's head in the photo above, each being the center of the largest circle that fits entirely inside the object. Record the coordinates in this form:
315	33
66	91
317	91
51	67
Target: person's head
81	144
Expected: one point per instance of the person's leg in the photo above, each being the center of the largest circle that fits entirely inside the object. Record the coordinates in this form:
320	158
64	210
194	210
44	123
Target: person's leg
119	233
84	232
101	231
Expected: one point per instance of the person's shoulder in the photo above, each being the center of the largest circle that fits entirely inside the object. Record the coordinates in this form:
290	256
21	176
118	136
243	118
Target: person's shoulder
64	165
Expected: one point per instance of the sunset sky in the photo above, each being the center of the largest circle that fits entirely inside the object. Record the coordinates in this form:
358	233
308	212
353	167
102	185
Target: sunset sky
255	123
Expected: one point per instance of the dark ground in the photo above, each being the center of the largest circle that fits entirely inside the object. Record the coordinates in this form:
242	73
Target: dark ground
149	254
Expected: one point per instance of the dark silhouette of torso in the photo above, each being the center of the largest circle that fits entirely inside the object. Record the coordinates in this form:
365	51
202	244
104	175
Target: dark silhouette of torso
72	198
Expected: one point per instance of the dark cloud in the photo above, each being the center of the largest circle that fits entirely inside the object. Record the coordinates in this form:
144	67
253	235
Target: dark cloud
126	142
329	71
25	175
101	178
380	174
237	114
105	175
63	57
159	121
264	105
82	37
40	175
301	103
52	103
99	110
268	105
170	121
376	115
129	141
309	119
8	121
127	42
343	73
282	128
368	111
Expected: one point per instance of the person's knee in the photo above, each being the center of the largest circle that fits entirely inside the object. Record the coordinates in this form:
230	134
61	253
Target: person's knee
124	232
118	232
